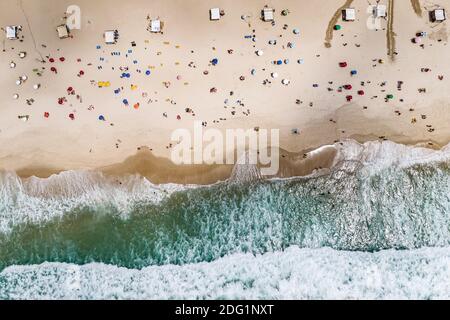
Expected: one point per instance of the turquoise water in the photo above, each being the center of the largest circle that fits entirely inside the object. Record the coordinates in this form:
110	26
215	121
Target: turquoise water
356	208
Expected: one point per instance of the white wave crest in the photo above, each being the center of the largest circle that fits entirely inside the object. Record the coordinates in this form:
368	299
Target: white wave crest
36	200
293	274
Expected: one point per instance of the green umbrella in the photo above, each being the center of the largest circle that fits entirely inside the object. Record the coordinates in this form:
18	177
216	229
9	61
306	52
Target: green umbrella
337	27
390	96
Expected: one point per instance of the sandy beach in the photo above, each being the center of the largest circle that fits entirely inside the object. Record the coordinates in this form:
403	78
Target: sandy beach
399	93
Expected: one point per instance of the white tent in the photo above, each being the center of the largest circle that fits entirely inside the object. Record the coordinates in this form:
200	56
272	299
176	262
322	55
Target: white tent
62	31
155	26
109	36
349	14
12	32
379	11
438	15
214	14
267	14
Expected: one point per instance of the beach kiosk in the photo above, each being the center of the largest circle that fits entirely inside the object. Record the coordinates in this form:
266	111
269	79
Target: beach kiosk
214	14
12	32
349	14
438	15
63	31
379	11
110	37
267	14
155	26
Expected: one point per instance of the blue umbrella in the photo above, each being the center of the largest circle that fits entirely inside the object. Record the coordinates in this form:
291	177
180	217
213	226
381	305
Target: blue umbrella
214	61
101	118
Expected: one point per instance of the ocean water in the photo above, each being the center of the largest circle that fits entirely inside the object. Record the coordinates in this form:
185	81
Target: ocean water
376	225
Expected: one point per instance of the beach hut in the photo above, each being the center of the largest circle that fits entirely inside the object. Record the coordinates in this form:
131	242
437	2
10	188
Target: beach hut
349	14
438	15
214	14
267	14
110	37
379	11
12	32
63	31
155	26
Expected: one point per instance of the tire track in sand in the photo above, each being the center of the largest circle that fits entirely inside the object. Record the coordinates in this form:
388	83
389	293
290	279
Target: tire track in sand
333	21
390	34
417	8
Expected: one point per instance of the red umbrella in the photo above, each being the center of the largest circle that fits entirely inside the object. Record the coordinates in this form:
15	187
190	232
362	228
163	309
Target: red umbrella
361	92
349	98
46	114
348	87
72	116
342	64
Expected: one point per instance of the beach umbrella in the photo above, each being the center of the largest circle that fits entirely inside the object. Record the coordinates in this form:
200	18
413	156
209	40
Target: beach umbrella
348	87
36	86
15	96
46	114
12	65
214	61
101	118
72	116
18	82
296	31
279	62
147	72
259	53
285	81
349	98
342	64
417	40
390	96
125	102
286	61
300	61
337	27
353	72
22	54
361	92
274	75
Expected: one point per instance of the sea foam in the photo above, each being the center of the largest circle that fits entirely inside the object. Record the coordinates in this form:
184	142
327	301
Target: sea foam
293	274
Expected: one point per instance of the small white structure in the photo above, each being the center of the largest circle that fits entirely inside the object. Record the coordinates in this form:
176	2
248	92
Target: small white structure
267	14
12	32
214	14
63	32
379	11
438	15
155	26
110	37
349	14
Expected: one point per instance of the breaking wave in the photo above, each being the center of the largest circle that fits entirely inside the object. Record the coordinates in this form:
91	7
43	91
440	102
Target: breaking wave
389	202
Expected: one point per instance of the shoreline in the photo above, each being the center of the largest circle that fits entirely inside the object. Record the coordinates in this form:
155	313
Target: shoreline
159	170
